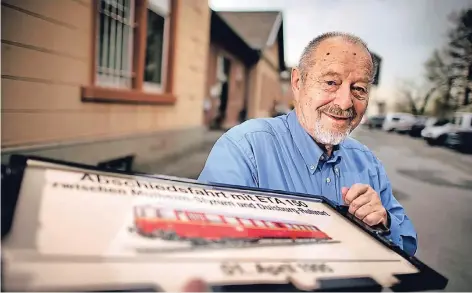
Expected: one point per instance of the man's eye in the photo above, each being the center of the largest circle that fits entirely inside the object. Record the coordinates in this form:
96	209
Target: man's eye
331	82
359	89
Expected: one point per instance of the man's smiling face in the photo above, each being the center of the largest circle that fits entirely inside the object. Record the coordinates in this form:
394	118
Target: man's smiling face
332	89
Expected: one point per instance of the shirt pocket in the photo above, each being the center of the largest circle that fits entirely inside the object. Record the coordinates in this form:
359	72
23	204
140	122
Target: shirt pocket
348	179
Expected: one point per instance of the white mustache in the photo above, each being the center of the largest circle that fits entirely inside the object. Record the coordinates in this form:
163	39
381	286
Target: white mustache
337	111
347	116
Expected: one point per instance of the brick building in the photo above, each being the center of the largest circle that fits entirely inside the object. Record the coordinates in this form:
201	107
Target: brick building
96	80
246	59
100	81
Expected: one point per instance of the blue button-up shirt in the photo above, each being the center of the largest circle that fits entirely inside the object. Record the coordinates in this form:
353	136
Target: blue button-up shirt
278	154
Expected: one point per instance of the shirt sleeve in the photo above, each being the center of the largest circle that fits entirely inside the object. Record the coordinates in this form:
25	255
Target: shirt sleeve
402	230
230	162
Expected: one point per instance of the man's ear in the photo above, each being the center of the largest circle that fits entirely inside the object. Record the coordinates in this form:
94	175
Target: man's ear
295	81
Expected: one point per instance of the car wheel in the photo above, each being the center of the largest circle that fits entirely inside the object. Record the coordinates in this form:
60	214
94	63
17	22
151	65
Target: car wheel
430	141
441	140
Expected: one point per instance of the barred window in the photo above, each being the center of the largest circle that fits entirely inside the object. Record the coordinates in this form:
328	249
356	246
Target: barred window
115	41
116	21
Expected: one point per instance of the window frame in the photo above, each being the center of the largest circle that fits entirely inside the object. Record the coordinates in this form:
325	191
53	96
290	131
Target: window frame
156	8
138	93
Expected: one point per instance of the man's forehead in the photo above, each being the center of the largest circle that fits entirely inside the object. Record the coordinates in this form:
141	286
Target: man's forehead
362	74
338	47
339	56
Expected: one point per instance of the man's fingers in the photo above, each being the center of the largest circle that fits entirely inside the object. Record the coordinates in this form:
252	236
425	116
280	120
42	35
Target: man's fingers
373	218
344	191
354	192
358	203
363	211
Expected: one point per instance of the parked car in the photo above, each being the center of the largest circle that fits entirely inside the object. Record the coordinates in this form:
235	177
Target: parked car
374	122
422	123
436	135
399	122
460	140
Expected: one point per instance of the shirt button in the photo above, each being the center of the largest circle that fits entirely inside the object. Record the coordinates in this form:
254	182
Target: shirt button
312	167
328	180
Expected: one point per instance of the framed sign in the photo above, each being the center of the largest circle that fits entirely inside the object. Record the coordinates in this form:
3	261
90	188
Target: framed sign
71	227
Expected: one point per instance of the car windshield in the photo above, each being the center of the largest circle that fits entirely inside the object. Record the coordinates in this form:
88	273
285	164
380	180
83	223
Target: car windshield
441	122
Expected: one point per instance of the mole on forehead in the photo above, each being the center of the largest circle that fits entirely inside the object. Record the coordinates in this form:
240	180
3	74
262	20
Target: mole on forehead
345	55
353	57
345	52
340	46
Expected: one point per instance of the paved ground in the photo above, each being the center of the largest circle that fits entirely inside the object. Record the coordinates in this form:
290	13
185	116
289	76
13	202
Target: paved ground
433	184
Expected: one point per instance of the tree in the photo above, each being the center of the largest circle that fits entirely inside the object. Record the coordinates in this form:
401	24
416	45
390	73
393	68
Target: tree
408	98
460	50
440	75
450	70
413	99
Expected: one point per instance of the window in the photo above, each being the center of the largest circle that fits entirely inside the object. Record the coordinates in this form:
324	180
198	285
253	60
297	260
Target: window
157	23
196	217
441	122
246	223
214	219
259	223
168	214
182	216
280	225
133	48
270	225
115	37
458	120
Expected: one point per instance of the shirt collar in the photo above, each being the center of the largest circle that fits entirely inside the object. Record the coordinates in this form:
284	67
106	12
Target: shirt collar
312	154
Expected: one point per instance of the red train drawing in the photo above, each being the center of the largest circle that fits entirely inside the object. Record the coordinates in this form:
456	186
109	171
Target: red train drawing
204	227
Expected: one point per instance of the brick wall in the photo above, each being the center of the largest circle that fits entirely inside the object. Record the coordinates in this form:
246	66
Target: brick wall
266	90
46	57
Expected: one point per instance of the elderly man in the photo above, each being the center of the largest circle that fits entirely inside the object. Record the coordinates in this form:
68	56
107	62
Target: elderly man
308	150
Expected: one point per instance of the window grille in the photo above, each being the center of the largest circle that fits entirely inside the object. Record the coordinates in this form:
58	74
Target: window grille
115	43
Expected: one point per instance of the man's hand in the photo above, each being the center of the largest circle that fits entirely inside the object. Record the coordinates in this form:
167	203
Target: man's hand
365	204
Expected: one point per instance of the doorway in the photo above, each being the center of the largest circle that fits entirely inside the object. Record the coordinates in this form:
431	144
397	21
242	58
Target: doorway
223	76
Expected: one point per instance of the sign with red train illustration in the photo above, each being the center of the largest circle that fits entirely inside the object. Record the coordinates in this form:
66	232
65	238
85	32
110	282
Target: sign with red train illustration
77	227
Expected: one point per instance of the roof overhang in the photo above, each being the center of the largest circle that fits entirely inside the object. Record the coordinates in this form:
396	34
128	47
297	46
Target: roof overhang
224	36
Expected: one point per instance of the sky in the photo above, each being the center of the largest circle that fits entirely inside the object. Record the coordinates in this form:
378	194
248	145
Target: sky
403	32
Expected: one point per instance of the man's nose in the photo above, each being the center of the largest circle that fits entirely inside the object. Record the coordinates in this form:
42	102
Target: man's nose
344	97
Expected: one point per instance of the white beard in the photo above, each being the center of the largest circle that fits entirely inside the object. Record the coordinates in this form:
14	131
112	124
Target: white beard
325	136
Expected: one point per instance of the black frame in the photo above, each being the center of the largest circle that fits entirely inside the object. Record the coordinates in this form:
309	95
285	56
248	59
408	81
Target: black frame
426	279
